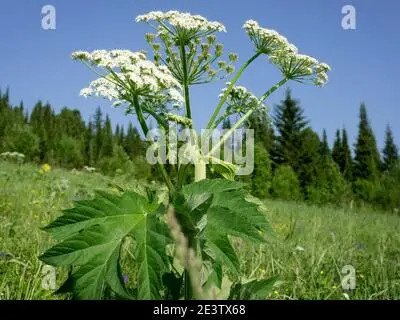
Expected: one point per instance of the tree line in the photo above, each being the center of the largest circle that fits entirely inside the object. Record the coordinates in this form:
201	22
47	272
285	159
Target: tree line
66	140
292	162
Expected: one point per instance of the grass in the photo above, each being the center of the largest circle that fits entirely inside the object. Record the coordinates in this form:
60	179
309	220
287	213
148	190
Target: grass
311	246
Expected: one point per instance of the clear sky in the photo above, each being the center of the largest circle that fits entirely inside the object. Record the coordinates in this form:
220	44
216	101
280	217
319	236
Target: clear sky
35	63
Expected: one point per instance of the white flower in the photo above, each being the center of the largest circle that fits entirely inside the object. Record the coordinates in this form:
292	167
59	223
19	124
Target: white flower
240	100
126	73
301	68
183	20
267	41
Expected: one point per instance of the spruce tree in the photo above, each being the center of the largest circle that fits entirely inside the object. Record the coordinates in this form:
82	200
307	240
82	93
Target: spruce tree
337	151
98	133
324	148
390	151
108	141
306	166
347	169
366	160
226	124
263	131
289	122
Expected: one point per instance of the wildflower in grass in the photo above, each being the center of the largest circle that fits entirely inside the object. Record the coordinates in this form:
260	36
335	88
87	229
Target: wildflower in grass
125	278
298	248
45	168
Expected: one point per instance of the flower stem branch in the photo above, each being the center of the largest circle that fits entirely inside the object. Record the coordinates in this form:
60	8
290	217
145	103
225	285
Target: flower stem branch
227	92
145	130
246	115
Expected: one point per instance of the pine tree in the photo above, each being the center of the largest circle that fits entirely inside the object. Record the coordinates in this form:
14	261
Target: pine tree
337	150
289	122
306	166
98	133
390	151
89	144
133	144
324	148
347	169
226	124
108	141
366	160
263	131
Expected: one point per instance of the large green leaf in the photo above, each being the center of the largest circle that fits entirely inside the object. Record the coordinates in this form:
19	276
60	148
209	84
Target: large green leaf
253	290
93	232
227	213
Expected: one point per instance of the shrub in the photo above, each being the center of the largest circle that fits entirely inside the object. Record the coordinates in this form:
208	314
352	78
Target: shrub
285	184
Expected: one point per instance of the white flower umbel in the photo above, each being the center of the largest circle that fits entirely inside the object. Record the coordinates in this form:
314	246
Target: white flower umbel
301	68
183	22
267	41
240	100
124	74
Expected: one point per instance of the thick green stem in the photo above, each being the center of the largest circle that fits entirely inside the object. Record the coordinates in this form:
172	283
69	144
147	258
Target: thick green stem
229	89
145	130
246	116
185	82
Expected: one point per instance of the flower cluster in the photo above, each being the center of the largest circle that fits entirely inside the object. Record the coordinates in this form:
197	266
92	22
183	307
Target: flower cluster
266	40
285	56
13	156
179	119
125	74
45	168
239	101
189	38
302	68
183	21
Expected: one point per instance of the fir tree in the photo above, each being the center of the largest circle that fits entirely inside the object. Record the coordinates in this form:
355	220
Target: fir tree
366	160
337	150
347	169
108	141
390	151
289	122
324	148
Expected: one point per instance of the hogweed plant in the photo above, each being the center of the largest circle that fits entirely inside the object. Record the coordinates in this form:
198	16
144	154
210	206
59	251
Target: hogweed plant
181	242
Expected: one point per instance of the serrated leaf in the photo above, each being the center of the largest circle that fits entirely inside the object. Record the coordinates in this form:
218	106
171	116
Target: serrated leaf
93	232
211	186
226	169
253	290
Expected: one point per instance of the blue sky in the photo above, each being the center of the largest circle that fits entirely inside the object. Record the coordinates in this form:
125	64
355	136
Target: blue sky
35	63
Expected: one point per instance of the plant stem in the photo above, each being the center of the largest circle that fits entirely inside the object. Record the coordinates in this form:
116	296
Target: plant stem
247	115
145	130
185	81
229	89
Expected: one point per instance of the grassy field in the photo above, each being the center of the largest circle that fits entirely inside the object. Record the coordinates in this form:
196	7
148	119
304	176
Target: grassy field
311	246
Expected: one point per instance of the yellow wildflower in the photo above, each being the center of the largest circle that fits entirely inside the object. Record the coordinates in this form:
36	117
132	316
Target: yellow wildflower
45	168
